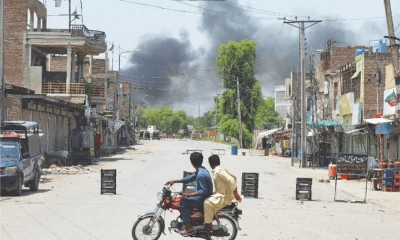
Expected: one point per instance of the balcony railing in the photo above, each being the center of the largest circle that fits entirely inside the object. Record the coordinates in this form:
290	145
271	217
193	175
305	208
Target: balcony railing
99	92
93	36
74	88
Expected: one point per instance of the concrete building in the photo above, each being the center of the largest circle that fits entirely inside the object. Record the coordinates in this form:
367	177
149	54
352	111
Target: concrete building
58	101
282	104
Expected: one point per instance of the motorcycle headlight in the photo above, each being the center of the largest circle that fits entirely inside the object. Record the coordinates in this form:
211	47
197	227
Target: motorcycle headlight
10	170
160	196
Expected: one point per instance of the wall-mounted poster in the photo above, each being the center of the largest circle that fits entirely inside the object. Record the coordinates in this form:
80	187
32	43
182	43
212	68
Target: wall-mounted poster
346	103
356	113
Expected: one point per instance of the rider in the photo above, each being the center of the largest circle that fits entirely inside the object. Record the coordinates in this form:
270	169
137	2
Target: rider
204	188
225	191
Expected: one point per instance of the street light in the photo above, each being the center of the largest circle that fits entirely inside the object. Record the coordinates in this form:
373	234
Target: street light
115	84
119	59
216	116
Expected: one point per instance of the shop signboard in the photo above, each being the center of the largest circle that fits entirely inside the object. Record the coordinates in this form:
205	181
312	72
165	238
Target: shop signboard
352	164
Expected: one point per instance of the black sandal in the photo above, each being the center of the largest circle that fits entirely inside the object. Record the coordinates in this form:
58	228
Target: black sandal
208	229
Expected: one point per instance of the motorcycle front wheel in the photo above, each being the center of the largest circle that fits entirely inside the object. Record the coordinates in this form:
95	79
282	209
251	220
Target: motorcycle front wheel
142	229
228	230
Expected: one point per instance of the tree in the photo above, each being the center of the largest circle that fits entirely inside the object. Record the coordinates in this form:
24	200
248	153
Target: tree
236	61
267	118
165	119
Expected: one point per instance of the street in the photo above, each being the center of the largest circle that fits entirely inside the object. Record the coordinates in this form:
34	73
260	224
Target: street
71	206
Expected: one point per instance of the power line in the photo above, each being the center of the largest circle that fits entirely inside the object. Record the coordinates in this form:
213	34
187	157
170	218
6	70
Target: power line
159	7
226	13
276	40
397	27
258	10
190	12
354	19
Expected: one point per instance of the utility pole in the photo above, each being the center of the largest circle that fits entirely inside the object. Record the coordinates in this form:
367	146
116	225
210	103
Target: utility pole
3	78
378	81
216	109
240	115
198	119
116	103
303	83
293	128
392	37
69	16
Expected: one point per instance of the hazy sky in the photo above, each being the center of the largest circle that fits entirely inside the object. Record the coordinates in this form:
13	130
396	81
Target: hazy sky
179	42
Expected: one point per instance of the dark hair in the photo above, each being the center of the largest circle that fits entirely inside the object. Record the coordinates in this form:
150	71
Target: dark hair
196	159
214	160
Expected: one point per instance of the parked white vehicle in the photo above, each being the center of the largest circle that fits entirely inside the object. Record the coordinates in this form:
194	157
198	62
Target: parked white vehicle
151	129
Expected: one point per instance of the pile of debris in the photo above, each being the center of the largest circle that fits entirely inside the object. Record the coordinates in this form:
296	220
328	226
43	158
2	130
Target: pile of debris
54	169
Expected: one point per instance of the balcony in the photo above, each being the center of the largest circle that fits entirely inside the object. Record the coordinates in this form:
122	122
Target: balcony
92	36
80	38
98	92
61	88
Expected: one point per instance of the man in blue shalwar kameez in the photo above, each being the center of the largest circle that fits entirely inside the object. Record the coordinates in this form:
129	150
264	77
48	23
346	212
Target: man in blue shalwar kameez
204	188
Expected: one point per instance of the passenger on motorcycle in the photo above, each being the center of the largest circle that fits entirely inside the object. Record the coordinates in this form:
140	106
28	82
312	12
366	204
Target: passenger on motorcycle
204	188
225	191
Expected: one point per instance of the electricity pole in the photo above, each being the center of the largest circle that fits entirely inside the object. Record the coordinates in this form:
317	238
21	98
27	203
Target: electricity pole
216	122
392	37
69	16
378	81
3	78
198	119
303	83
240	115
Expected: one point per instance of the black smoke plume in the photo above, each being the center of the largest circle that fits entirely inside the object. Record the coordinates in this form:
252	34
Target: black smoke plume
189	74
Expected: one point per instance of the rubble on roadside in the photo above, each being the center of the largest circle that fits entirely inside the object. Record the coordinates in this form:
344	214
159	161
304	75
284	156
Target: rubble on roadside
72	170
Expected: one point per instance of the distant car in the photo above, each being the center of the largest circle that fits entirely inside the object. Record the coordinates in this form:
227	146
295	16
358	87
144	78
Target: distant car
156	135
151	128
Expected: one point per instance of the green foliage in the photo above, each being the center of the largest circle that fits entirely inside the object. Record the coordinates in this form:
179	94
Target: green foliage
88	88
267	117
230	127
236	62
165	119
206	121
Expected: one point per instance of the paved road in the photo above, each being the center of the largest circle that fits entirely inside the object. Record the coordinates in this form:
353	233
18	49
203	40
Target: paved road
71	207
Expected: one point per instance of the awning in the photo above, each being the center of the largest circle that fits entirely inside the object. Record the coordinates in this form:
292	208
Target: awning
377	120
355	74
40	98
265	134
12	89
323	123
355	131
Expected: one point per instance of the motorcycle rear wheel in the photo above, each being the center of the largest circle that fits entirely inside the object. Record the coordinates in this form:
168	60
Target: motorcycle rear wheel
141	230
229	223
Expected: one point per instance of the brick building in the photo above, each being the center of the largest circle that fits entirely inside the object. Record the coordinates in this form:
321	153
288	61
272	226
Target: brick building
32	91
351	96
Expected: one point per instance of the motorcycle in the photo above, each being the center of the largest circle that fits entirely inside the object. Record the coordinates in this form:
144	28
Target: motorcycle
150	224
